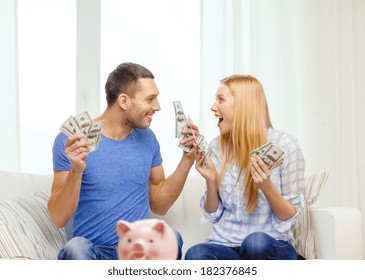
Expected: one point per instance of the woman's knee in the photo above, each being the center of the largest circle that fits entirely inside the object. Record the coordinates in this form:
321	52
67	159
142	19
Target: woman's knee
198	252
257	246
210	251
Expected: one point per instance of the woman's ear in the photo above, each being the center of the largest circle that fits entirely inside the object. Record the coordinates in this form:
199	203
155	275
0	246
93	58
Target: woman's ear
124	101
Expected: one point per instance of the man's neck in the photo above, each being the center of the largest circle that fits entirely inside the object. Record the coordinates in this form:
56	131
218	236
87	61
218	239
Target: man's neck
114	125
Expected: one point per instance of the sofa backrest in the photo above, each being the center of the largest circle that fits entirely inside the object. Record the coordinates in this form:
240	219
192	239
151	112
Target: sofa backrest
13	184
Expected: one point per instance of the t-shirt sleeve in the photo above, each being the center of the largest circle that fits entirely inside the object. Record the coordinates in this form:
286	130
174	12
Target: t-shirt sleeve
155	146
60	161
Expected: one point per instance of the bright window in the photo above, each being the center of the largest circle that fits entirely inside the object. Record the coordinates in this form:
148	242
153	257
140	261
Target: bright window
47	48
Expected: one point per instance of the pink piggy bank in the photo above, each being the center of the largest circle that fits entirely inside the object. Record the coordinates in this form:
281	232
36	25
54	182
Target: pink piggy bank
149	239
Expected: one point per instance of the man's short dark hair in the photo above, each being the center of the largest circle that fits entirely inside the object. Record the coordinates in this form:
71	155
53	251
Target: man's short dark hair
125	79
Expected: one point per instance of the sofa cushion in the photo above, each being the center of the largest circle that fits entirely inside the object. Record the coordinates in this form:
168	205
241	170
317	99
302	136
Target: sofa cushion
303	233
26	230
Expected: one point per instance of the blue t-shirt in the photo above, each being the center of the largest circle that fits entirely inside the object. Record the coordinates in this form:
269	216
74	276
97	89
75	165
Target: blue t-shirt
114	184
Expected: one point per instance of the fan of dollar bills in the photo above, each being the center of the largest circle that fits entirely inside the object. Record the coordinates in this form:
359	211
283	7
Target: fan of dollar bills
271	155
180	124
82	123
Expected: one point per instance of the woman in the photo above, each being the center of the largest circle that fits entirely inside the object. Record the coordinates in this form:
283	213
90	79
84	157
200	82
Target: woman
253	209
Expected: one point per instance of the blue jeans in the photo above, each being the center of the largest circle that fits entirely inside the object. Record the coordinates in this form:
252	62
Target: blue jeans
80	248
256	246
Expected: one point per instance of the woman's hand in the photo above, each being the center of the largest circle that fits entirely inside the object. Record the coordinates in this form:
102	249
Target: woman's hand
260	172
205	166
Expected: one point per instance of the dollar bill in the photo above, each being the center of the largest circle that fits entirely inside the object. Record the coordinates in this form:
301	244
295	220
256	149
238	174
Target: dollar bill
271	155
69	126
83	124
180	118
202	145
182	137
260	150
94	134
181	124
205	147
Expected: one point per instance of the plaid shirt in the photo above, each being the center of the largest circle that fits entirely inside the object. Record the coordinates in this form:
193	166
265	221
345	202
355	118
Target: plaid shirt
231	222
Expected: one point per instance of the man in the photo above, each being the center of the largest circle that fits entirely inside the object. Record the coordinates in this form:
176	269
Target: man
123	178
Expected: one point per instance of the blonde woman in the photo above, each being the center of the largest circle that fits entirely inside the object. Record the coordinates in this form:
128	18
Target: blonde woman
252	209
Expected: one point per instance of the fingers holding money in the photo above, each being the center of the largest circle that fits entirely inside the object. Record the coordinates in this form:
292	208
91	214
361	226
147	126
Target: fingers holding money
260	172
77	149
188	139
83	124
205	165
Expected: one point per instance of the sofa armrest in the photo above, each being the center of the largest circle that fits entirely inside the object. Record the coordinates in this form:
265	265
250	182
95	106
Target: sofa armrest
337	233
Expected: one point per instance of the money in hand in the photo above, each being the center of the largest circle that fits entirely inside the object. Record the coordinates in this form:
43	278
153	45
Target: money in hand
271	155
82	123
68	127
180	118
202	145
180	124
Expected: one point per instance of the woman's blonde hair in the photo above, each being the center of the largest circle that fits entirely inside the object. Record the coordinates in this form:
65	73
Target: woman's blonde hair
251	119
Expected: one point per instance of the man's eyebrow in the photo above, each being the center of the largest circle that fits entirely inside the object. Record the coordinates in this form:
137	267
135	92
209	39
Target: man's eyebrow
155	94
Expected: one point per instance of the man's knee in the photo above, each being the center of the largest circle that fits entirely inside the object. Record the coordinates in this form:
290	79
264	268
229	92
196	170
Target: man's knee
180	243
78	248
196	252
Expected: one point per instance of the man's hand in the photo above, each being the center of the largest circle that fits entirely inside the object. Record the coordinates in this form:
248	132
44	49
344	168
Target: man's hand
191	130
76	150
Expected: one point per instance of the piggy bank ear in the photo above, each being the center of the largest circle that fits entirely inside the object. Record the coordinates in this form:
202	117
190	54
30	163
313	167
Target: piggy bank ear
160	227
123	227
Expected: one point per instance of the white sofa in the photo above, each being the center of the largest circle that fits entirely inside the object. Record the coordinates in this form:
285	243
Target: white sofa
337	231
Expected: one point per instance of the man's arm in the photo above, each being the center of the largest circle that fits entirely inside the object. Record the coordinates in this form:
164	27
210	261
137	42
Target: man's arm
66	185
164	192
64	197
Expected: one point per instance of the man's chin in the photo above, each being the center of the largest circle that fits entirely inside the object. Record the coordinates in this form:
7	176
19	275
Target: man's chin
143	125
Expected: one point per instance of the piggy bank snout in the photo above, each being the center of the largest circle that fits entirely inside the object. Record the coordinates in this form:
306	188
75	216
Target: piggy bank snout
138	246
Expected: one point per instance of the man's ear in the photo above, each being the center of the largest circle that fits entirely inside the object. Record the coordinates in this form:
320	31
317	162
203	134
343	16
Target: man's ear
124	101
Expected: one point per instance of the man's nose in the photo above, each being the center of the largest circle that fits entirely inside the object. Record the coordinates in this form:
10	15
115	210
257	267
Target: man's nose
156	106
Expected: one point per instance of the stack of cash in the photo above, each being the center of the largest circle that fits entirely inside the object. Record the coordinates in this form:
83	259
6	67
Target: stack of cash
180	124
271	155
82	123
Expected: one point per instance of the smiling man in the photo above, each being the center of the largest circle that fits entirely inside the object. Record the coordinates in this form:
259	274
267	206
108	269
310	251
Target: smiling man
123	178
